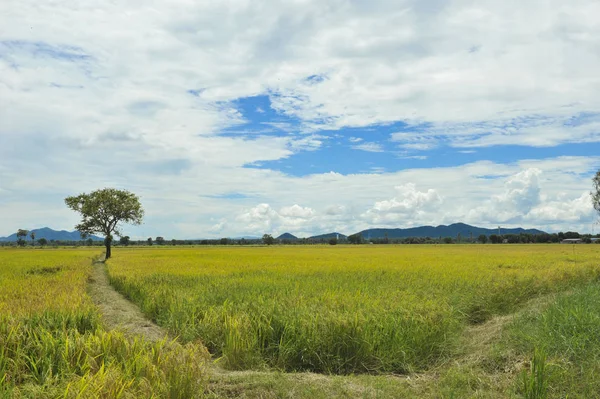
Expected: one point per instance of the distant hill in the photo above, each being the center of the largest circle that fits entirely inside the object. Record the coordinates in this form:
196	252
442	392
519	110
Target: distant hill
452	230
287	236
49	234
328	236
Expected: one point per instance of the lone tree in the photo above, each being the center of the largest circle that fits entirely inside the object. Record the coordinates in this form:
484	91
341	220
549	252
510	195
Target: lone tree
32	235
102	211
268	239
21	234
595	194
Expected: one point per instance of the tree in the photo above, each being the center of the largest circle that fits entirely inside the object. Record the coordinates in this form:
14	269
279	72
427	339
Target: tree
268	239
160	240
355	238
103	210
149	241
42	241
333	241
595	194
21	234
482	238
495	239
32	235
124	240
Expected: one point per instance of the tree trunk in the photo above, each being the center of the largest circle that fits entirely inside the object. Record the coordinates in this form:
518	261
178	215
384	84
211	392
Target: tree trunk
107	243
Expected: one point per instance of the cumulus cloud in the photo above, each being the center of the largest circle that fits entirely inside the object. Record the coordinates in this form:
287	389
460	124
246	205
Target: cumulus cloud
576	211
264	218
408	206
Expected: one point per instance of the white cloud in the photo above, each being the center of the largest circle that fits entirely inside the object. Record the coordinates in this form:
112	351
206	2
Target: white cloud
409	204
369	147
137	96
264	218
296	211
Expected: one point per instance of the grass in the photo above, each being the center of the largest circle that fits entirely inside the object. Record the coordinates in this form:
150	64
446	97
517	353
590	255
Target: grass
566	332
53	344
342	309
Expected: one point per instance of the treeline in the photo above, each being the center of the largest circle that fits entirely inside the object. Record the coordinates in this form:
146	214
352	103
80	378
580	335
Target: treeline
523	238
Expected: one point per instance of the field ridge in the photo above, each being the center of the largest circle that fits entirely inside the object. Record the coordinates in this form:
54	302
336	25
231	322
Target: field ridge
117	311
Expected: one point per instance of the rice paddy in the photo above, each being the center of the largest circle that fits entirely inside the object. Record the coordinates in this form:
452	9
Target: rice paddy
53	344
374	321
340	309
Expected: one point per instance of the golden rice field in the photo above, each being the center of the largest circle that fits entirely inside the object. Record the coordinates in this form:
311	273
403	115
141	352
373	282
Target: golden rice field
53	344
339	309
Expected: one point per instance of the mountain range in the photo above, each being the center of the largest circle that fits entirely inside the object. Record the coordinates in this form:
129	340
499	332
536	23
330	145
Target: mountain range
452	230
49	234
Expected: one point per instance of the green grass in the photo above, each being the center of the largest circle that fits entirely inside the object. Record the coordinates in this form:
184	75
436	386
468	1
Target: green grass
568	332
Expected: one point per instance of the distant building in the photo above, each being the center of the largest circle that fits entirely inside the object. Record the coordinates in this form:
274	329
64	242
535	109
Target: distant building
572	241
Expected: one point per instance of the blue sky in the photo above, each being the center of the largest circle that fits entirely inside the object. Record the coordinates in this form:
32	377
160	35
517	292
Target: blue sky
237	118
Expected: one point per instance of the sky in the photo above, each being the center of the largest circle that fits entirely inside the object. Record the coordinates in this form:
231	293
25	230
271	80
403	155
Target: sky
238	118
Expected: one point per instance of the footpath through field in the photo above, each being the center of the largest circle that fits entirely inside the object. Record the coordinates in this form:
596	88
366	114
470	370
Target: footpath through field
117	311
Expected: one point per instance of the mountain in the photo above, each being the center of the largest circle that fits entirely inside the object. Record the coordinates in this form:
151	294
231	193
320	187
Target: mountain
452	230
287	236
49	234
328	236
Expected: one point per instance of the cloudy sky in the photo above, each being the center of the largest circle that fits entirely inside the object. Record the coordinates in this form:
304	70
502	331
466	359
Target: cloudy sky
234	118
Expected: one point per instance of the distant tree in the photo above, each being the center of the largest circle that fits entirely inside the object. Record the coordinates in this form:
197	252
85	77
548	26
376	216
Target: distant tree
571	234
224	241
333	241
268	239
21	234
173	242
495	239
482	238
124	240
355	238
595	193
160	240
89	242
32	235
42	241
447	240
102	211
149	241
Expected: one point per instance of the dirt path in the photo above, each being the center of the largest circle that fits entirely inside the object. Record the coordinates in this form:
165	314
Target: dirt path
117	311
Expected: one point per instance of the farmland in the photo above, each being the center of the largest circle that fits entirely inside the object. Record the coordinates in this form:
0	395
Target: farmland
53	343
309	322
340	309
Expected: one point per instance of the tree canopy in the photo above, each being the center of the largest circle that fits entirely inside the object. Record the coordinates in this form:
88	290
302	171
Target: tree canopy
102	211
268	239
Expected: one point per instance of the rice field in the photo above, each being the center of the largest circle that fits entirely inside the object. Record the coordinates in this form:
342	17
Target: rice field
340	309
53	343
